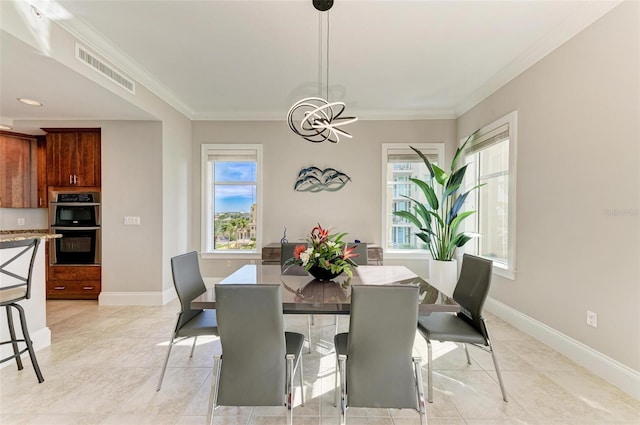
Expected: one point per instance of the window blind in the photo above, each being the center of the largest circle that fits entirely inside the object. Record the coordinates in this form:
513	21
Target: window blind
407	155
488	138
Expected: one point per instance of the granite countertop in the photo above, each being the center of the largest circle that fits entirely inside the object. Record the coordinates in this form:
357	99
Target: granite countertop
19	235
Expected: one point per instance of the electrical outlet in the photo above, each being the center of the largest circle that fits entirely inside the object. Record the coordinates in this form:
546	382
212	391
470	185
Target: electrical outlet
21	222
228	263
592	319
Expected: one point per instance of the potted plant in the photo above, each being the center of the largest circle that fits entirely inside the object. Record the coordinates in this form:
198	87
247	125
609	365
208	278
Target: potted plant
326	257
439	218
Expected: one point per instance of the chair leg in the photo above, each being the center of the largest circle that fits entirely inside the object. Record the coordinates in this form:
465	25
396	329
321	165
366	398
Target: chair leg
335	384
213	394
466	350
301	381
342	362
429	373
14	338
309	322
289	387
27	340
166	361
193	347
422	408
495	363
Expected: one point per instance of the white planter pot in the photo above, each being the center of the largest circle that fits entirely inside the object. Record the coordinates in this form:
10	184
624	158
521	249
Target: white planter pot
443	275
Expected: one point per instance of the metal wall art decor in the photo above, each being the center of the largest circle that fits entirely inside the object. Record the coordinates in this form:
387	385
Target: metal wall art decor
313	179
319	120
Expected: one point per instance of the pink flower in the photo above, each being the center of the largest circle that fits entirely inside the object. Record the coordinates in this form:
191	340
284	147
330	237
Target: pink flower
298	250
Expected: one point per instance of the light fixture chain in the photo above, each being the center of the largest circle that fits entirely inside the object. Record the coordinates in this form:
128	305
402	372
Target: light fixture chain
327	98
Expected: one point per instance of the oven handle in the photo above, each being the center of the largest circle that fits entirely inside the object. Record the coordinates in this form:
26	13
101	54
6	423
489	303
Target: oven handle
75	204
75	228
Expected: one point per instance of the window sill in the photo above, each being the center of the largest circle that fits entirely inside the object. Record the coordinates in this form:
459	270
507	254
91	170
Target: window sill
406	255
504	272
231	255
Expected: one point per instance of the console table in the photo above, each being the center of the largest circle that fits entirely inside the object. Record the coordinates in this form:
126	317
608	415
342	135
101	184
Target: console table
271	254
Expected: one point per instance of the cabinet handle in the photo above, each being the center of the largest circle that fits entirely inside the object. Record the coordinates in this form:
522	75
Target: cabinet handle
70	179
40	202
87	288
58	288
75	179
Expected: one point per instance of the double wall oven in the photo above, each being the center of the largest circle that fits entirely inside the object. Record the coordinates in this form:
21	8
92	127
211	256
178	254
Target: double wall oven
76	216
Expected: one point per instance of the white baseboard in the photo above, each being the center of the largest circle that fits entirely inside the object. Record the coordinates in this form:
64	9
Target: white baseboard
611	370
131	298
146	298
40	339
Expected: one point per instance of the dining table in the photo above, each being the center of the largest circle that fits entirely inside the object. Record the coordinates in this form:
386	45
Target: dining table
303	294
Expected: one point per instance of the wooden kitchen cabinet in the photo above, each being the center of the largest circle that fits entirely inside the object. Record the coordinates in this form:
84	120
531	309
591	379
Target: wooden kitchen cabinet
41	159
73	157
18	174
74	282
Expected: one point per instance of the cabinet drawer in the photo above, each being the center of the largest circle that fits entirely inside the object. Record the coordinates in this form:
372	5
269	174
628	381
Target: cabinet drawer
74	273
72	289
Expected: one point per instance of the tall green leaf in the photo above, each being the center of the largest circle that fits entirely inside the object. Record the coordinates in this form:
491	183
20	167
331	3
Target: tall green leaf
455	223
457	177
408	216
426	161
461	148
422	212
432	199
440	175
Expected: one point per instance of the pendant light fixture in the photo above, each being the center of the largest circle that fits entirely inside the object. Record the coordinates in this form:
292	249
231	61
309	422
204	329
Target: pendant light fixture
320	119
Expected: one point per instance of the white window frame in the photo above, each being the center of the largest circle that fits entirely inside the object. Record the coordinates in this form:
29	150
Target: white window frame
510	120
434	148
206	202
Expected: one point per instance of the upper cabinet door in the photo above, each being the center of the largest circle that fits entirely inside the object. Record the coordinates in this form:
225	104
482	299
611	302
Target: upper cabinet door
87	159
73	158
61	149
15	171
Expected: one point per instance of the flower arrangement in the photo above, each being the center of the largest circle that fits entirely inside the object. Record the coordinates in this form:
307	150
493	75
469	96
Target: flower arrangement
325	251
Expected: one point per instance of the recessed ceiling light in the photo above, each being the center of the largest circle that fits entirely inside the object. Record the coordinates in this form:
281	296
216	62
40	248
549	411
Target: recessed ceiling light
5	127
30	102
36	12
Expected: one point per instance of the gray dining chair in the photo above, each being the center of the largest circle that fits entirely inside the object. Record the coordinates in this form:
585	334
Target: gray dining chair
16	286
363	254
375	360
468	326
259	359
188	283
286	252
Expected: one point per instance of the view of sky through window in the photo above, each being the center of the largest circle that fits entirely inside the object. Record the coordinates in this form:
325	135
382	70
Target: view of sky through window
235	186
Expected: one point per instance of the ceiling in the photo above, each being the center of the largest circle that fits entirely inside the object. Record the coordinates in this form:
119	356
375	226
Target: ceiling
220	60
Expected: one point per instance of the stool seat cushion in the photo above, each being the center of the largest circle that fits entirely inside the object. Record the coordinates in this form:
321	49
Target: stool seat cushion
8	295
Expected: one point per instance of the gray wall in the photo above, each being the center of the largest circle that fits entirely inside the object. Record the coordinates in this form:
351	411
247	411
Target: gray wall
578	186
355	208
131	176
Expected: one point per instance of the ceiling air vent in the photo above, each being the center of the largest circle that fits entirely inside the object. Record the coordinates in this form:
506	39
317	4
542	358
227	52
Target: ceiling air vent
90	59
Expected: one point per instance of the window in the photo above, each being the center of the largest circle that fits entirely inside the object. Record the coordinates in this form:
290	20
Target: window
399	164
231	200
491	157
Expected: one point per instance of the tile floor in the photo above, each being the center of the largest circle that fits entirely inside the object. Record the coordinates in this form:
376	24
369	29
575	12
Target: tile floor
104	363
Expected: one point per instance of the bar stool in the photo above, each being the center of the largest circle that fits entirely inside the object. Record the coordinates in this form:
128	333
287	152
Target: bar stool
11	294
